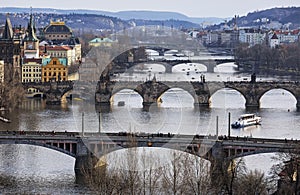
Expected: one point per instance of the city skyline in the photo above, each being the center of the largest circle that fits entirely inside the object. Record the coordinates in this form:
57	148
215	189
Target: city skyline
212	8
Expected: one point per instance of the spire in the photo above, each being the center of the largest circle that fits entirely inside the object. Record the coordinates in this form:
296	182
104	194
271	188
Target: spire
8	30
30	35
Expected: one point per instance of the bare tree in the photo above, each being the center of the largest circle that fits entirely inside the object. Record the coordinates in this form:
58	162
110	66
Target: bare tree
173	174
253	182
197	176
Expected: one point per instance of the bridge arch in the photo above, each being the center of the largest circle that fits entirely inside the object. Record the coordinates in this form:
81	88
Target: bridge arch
179	95
280	94
223	98
69	150
128	93
154	156
189	67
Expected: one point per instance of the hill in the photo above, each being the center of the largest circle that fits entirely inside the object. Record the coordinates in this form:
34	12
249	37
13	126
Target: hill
124	15
274	18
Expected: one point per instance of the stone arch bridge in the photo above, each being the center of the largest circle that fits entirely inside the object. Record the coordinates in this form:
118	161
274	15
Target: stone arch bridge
53	90
151	91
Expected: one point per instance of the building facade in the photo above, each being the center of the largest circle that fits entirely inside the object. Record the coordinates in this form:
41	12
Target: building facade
32	70
54	70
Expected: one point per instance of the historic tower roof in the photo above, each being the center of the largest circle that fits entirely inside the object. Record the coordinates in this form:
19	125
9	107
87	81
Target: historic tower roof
30	35
8	30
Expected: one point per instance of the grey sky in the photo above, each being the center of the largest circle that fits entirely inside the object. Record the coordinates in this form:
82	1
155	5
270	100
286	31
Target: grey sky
193	8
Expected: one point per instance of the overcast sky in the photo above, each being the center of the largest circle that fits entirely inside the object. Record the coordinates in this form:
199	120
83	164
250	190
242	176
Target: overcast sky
192	8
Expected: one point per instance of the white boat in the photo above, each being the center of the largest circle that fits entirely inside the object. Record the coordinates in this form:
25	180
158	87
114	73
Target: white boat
246	120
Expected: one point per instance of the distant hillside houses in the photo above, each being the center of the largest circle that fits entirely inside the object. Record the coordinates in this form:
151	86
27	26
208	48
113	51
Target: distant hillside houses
251	36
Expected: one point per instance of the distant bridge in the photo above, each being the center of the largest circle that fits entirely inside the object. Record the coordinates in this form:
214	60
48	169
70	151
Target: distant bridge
86	148
151	91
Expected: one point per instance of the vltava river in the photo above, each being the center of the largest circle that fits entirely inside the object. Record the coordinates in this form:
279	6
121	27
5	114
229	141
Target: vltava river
32	169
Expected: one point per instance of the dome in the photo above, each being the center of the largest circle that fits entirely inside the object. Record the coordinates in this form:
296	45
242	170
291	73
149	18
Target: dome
57	27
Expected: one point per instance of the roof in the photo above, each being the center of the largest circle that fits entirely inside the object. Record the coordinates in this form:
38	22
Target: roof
274	36
30	35
57	27
101	40
37	60
8	30
55	48
62	61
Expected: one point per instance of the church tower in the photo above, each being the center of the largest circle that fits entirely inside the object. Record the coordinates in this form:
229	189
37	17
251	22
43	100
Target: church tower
31	42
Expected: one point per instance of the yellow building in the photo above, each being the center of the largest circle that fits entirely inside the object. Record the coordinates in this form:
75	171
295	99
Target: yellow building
54	70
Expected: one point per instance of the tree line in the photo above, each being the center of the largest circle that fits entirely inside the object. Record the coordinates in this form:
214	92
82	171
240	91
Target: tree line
281	60
182	173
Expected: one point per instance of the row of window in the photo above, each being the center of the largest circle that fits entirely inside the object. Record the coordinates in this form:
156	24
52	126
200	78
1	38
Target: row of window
33	75
63	79
32	70
30	80
54	69
58	54
53	74
58	36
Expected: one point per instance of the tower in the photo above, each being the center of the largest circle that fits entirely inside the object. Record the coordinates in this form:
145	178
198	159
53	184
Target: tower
31	42
10	53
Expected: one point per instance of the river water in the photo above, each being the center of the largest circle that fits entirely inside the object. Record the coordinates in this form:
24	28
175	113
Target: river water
32	169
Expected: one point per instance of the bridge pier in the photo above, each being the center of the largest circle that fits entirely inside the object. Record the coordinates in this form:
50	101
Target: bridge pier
298	104
202	101
219	168
84	163
103	107
168	69
148	106
210	66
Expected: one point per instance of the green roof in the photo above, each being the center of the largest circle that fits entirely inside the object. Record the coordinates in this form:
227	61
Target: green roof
101	40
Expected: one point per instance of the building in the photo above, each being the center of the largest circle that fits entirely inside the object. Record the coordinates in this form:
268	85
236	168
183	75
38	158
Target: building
57	31
251	36
31	70
59	34
274	41
10	52
98	42
54	70
58	51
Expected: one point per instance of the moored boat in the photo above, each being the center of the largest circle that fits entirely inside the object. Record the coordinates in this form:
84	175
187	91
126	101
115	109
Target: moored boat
246	120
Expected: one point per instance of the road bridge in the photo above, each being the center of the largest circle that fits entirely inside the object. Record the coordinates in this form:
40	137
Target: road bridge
87	148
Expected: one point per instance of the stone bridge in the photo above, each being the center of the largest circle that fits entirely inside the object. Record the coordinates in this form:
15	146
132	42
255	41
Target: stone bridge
88	148
151	91
53	90
210	62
